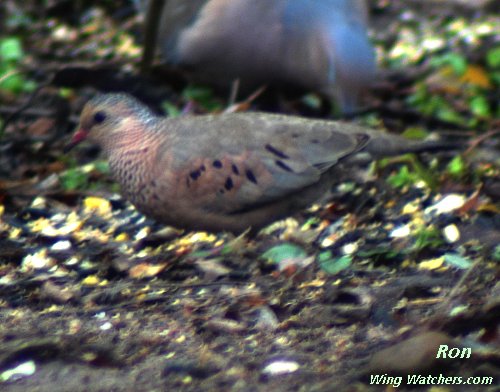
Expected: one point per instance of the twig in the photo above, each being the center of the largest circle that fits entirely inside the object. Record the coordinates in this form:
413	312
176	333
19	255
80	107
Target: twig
478	140
151	24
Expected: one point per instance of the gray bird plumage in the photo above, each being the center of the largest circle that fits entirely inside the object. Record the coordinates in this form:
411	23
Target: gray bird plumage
319	45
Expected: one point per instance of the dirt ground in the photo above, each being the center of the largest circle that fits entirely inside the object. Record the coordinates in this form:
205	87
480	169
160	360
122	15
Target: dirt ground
95	297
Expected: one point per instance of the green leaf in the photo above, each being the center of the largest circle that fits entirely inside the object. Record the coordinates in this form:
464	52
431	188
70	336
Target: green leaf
458	310
480	106
11	81
405	177
102	167
11	78
171	110
446	113
493	57
74	179
66	92
415	133
495	77
312	100
456	61
457	261
333	265
457	166
284	251
203	95
402	178
428	237
16	83
311	222
10	49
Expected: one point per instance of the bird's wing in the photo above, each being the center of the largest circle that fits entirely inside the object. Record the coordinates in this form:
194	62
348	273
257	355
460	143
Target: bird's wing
229	163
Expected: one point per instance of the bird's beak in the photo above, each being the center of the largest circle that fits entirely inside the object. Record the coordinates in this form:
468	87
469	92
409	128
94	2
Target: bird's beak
79	136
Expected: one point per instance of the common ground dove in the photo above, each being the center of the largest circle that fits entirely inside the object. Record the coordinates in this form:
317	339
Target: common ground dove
319	45
226	172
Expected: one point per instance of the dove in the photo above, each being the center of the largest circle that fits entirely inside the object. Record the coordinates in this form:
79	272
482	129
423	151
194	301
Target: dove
224	172
320	45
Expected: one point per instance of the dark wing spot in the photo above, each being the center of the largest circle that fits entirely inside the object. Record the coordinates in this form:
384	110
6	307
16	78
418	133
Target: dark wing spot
217	164
228	184
283	166
314	141
235	169
251	176
275	151
362	138
195	174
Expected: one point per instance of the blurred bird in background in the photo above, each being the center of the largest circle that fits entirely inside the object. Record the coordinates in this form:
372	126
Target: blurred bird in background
316	45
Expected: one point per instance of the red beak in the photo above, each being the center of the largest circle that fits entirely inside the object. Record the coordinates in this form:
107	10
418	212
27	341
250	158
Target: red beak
79	136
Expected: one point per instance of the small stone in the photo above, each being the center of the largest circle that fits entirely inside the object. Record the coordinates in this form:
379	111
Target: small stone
451	233
447	204
280	367
414	355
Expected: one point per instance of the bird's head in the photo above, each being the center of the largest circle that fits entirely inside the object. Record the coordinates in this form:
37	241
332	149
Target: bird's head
105	118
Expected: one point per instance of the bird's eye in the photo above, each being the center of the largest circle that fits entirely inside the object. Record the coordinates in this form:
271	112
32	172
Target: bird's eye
99	117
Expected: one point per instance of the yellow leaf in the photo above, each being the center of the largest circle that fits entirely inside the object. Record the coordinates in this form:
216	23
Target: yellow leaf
97	204
146	270
91	280
431	264
477	76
